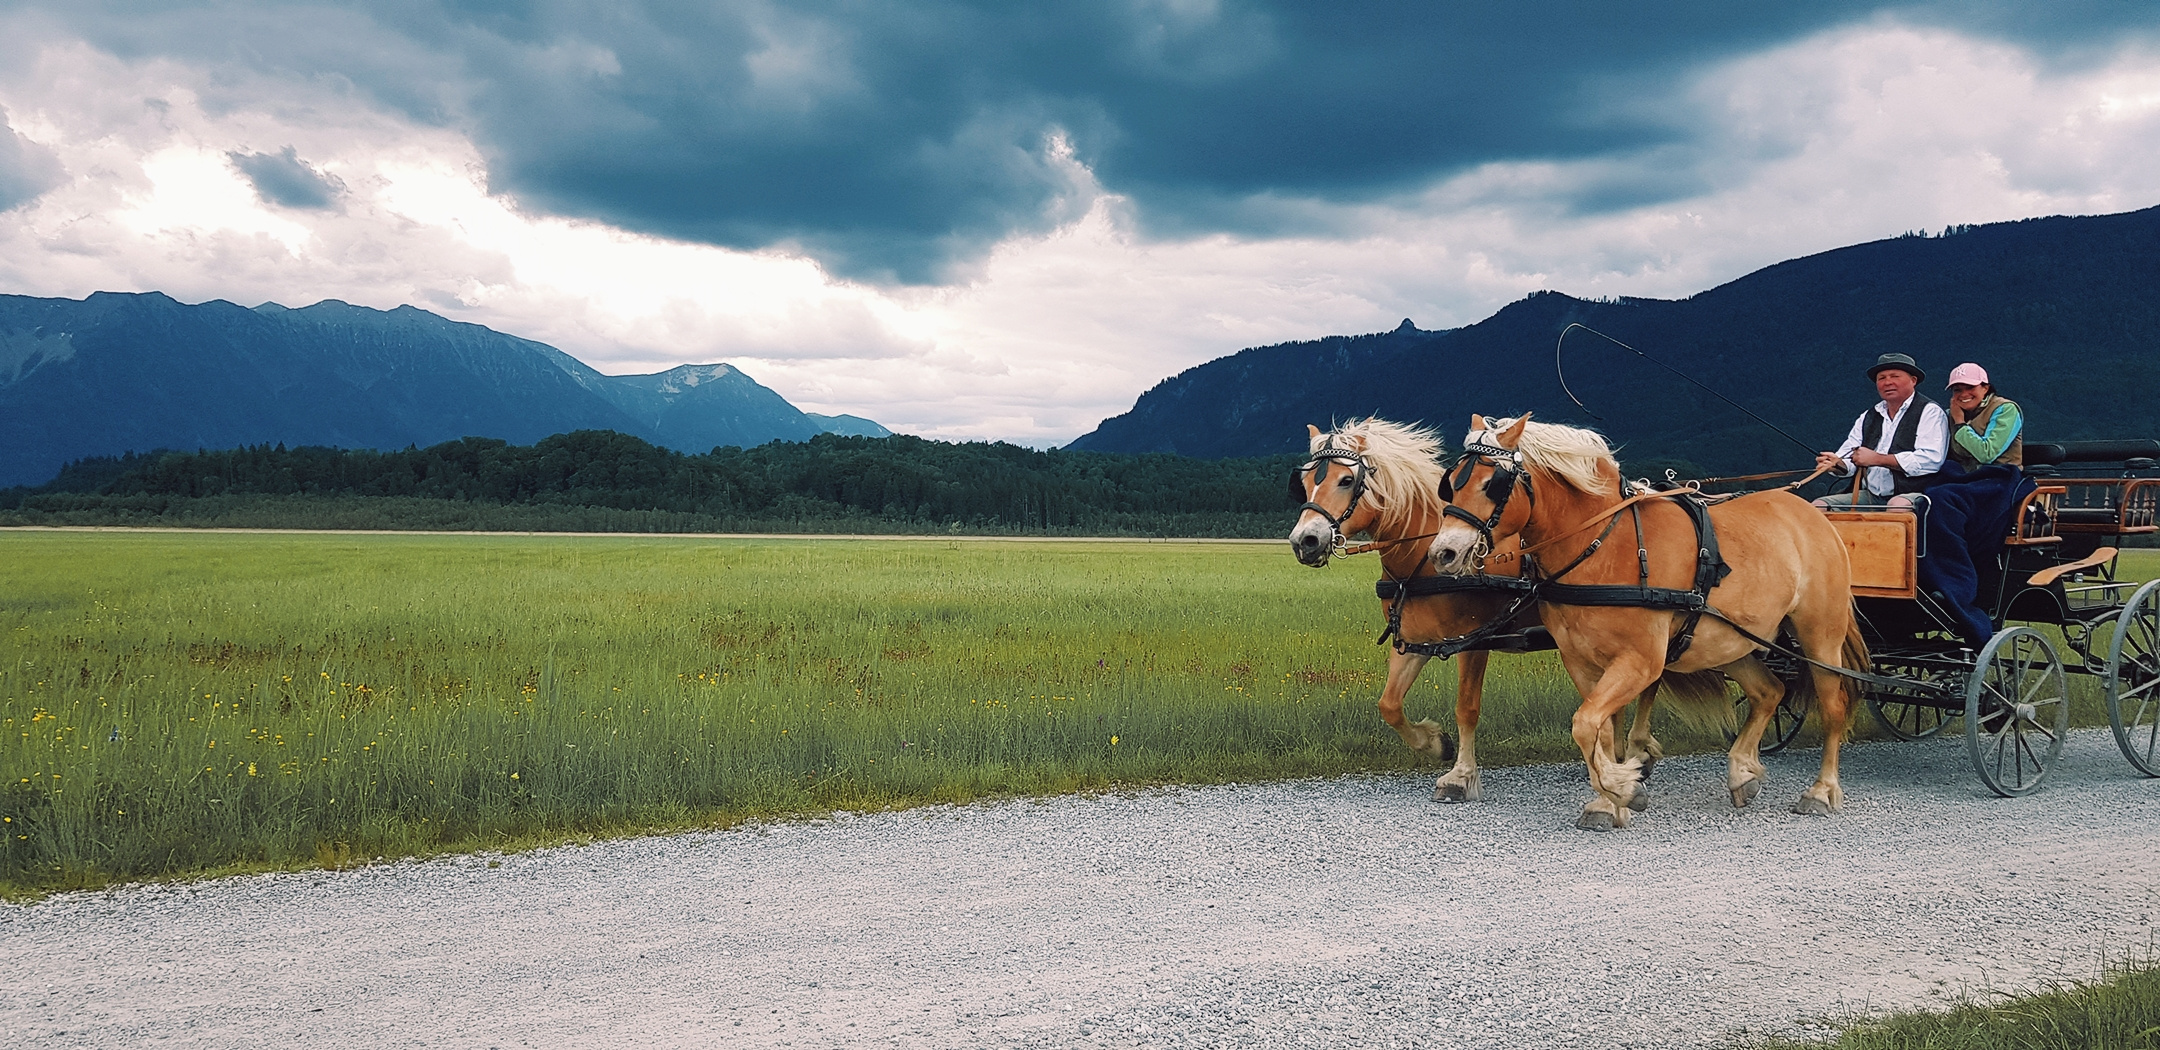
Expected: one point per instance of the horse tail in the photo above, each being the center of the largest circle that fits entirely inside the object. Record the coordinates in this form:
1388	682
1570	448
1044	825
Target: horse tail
1700	698
1857	657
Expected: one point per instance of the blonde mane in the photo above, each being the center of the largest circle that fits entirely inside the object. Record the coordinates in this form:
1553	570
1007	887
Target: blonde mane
1577	456
1404	464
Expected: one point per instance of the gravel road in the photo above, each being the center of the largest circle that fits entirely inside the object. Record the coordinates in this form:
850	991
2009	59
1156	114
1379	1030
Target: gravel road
1346	912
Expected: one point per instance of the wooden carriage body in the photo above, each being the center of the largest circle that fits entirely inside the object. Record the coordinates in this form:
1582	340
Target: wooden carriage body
2056	603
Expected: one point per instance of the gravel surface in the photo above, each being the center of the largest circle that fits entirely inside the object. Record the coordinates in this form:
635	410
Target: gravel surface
1346	912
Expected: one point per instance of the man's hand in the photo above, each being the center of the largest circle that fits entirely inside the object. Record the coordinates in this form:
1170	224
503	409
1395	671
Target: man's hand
1868	457
1829	461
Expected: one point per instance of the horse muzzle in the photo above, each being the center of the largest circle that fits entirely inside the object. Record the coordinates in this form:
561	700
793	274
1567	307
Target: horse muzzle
1456	550
1313	543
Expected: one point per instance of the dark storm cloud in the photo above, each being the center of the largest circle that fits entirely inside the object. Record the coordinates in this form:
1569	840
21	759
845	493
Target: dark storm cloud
894	138
283	178
27	169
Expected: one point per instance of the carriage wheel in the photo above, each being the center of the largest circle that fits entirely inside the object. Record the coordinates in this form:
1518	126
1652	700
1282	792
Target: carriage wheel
2133	680
1908	719
2017	710
1905	719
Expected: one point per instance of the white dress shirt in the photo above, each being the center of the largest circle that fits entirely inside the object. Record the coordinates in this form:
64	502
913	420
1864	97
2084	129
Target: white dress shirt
1930	444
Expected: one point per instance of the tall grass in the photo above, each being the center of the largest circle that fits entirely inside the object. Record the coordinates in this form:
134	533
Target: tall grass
2119	1011
176	703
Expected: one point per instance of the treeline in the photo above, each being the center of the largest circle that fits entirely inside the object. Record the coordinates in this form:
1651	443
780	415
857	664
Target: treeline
596	480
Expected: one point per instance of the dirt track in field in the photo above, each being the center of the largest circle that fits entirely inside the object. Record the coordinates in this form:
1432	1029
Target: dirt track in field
1348	912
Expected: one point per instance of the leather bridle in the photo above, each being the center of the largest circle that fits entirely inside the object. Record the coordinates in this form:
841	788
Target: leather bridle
1317	464
1507	476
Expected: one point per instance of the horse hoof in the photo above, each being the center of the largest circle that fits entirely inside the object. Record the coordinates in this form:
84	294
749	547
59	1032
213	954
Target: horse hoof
1746	793
1450	793
1595	822
1640	800
1649	763
1810	806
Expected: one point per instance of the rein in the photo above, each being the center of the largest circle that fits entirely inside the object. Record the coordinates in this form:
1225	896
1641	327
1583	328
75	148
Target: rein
1643	497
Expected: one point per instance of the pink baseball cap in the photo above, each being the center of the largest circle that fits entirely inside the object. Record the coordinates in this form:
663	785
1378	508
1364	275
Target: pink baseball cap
1968	374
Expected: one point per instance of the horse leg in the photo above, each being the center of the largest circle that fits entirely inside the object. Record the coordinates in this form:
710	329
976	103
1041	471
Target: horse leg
1743	764
1834	703
1598	814
1615	781
1425	735
1461	784
1610	739
1641	746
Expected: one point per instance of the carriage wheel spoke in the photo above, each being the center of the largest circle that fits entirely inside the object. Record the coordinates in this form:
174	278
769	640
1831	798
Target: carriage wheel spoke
2039	682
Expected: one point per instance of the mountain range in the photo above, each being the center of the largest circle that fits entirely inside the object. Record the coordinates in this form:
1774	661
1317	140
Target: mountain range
119	372
2064	312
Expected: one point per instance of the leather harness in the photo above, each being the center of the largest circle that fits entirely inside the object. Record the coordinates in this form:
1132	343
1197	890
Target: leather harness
1536	586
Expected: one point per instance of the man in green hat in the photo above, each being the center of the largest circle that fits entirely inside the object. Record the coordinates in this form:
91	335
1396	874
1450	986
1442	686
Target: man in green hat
1897	443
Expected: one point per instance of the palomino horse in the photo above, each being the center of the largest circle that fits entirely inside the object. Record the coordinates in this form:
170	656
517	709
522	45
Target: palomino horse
1382	479
1557	491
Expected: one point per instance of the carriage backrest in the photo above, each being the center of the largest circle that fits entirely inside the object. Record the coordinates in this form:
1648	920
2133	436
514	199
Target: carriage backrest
2116	457
2109	487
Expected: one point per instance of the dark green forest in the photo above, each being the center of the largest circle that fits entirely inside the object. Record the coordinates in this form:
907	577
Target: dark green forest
602	481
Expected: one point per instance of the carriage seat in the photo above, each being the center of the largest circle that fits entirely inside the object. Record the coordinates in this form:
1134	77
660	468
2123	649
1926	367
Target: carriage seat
2109	488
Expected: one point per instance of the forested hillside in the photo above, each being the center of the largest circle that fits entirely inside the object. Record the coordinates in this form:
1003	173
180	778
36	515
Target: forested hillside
605	481
2064	312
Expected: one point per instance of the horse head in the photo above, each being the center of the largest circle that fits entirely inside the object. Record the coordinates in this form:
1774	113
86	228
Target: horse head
1480	492
1334	486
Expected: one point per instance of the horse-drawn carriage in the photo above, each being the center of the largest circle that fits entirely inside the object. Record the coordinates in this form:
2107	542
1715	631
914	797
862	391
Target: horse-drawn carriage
1524	548
2051	588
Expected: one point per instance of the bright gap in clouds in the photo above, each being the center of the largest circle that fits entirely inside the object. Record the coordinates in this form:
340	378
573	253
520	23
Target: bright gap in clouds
1847	136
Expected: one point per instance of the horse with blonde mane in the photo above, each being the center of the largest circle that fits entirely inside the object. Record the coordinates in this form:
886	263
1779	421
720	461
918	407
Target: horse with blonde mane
1682	598
1382	479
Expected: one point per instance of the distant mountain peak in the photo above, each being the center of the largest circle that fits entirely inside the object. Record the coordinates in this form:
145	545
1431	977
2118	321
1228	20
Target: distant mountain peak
122	371
683	377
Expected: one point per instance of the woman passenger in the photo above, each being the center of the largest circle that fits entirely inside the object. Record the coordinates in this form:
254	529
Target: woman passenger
1973	503
1984	428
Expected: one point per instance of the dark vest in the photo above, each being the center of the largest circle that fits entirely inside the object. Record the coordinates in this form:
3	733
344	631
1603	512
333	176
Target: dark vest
2014	455
1908	434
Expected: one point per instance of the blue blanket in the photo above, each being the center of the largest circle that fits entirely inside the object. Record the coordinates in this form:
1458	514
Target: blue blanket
1968	517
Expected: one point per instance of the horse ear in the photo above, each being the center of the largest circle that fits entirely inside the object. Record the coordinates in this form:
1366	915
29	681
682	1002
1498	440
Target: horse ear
1312	431
1512	436
1477	422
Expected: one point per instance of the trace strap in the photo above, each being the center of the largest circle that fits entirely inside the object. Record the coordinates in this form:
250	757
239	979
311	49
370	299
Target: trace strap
1493	634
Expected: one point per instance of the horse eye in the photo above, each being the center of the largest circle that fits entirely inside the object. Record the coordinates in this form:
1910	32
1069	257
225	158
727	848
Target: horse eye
1344	483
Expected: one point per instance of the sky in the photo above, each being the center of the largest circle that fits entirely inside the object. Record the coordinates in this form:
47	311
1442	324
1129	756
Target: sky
1006	221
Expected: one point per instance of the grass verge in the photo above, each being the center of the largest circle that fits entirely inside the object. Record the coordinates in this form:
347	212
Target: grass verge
2118	1011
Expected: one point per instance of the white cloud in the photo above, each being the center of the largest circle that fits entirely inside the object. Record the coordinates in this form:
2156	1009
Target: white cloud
1847	136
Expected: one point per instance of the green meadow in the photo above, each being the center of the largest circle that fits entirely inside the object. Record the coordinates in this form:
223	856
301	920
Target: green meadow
177	703
181	703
